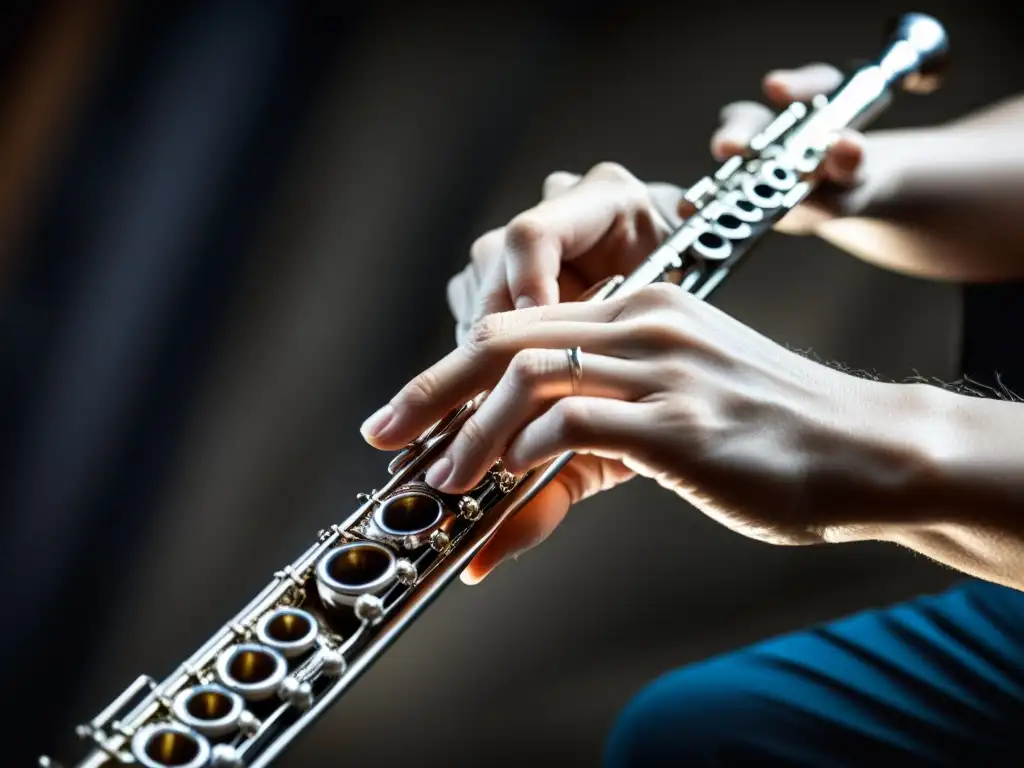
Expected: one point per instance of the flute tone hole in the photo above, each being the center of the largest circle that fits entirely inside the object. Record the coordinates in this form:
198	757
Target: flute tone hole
411	513
288	627
252	666
172	748
209	705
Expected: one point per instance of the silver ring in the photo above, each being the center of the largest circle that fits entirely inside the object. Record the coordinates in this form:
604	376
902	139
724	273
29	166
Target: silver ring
575	368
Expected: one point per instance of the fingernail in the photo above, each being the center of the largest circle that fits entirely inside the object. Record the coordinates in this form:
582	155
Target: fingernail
439	473
378	422
525	302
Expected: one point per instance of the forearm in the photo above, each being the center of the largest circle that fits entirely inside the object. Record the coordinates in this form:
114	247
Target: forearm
945	202
961	502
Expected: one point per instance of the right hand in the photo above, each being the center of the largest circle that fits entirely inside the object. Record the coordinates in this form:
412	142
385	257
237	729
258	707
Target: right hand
846	187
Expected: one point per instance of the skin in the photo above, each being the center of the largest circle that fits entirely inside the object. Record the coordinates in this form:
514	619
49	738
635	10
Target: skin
773	445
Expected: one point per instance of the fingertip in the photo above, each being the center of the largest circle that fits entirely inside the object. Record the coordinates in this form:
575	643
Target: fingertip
439	475
376	427
724	146
740	122
533	291
471	576
845	158
484	563
850	147
785	86
558	183
776	87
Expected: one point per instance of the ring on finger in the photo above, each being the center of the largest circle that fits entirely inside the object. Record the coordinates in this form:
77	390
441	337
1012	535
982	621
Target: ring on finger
575	355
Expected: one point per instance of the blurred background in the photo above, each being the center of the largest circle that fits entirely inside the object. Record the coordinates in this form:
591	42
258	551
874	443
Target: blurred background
225	235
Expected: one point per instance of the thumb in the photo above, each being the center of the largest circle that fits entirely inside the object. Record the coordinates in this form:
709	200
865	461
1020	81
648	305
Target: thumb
522	531
845	159
842	177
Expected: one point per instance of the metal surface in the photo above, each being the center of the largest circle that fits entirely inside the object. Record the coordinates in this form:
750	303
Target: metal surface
286	657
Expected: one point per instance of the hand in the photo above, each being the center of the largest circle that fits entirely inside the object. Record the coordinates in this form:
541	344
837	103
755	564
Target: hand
568	242
850	181
554	252
771	444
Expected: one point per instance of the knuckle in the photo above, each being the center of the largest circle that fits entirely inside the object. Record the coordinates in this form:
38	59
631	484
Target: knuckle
529	368
486	330
421	390
525	232
611	171
556	180
660	296
656	332
553	178
571	420
633	194
676	372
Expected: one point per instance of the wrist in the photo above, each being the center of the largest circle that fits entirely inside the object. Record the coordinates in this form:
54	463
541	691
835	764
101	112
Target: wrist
953	460
975	454
963	508
896	460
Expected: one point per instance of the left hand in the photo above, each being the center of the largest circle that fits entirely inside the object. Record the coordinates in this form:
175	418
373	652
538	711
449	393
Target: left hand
769	443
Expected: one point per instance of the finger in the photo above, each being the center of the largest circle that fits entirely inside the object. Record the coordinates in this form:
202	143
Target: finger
645	323
485	251
465	287
487	292
784	86
522	531
465	323
844	159
667	199
614	429
740	122
610	428
583	477
561	228
557	183
490	291
474	368
535	379
842	167
457	296
493	296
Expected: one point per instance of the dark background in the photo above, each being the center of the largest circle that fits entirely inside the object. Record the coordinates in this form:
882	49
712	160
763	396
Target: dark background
226	231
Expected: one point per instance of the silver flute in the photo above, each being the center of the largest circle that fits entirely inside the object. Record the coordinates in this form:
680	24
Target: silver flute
271	671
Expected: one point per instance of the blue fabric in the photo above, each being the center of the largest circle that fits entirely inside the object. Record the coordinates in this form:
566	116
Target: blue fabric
938	680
